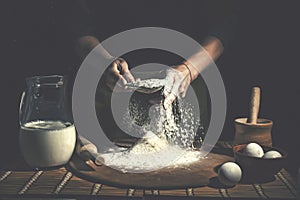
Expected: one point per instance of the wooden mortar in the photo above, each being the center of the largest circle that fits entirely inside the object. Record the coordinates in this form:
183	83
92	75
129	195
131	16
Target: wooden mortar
253	129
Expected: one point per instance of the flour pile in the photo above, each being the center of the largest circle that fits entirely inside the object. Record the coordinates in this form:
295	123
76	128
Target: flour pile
166	136
149	154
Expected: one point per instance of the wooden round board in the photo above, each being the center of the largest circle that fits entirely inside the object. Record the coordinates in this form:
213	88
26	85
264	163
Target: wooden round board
195	175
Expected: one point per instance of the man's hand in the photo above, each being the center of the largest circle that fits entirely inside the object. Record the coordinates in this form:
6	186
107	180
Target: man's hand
118	69
117	75
178	79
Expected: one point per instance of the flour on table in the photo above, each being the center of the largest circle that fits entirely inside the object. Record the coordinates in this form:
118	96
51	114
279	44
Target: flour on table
150	153
166	137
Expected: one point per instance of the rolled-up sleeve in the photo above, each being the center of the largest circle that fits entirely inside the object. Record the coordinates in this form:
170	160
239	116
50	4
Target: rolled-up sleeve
77	19
225	26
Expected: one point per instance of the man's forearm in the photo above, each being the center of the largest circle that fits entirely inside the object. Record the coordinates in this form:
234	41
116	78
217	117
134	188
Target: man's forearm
199	61
214	47
84	45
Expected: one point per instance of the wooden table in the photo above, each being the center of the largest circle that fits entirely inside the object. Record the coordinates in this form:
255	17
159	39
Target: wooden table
61	183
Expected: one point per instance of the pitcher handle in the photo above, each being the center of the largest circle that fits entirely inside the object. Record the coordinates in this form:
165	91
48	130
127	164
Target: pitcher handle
21	107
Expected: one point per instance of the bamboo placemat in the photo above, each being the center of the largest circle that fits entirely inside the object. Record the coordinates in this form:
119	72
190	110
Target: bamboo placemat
61	183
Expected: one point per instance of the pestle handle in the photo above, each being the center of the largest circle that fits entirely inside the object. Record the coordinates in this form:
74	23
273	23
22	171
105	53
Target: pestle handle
254	105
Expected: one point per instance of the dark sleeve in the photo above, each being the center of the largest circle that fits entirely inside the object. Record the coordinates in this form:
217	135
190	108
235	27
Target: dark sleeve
225	25
77	19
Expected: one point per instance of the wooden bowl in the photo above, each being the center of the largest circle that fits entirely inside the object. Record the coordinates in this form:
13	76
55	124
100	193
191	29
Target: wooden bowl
259	169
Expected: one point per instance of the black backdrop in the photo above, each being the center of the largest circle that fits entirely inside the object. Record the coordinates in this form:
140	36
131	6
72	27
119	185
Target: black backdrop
264	52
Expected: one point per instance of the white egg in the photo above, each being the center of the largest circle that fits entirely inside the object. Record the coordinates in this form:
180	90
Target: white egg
254	150
272	154
229	174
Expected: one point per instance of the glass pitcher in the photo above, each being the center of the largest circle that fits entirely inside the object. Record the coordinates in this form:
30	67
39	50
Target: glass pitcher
47	134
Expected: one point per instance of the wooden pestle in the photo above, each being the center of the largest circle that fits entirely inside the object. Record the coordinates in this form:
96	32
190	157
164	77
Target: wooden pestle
86	150
254	105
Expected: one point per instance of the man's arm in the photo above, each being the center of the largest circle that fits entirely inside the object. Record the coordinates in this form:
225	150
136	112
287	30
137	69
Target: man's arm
81	30
85	44
212	50
213	45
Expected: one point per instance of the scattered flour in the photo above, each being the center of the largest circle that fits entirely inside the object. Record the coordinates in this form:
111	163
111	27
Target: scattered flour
150	153
166	135
179	125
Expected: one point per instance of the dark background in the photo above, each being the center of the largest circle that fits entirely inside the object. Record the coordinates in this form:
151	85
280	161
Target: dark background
264	53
